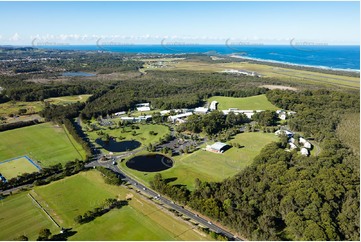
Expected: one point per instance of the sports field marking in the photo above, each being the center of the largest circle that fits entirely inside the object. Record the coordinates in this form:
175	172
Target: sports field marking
14	167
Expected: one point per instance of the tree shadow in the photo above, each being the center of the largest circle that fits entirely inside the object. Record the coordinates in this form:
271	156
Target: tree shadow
63	236
169	180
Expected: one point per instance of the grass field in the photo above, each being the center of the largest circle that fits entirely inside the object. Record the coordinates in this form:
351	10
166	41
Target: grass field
259	102
16	167
67	99
142	134
351	139
19	215
46	143
282	73
12	107
140	220
208	166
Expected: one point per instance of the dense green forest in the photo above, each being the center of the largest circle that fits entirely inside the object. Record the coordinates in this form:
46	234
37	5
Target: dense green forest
283	195
167	90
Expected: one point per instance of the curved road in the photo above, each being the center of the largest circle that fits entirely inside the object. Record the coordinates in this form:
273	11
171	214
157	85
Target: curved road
169	203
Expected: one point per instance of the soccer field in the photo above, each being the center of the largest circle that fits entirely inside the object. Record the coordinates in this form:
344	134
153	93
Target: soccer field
46	143
259	102
19	215
16	167
140	220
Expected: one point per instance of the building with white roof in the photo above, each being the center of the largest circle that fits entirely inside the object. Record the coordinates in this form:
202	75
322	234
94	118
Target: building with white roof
201	110
119	113
302	140
286	132
213	105
304	151
217	147
178	117
307	145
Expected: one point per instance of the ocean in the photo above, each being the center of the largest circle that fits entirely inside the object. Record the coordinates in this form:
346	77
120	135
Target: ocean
322	56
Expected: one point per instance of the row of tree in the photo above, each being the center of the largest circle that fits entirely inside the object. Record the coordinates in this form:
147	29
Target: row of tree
213	122
105	207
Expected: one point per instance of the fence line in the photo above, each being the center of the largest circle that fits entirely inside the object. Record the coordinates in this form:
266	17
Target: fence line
51	218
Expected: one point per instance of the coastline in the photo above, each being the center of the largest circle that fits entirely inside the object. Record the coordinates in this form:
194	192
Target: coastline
268	61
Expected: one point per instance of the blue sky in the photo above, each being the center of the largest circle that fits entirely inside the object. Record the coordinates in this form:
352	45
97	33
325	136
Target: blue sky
194	22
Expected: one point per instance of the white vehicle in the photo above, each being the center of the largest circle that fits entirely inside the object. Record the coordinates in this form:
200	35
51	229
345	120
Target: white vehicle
209	222
144	188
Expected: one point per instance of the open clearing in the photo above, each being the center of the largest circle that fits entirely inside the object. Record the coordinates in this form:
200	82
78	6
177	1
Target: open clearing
67	99
259	102
16	167
13	107
46	143
139	220
19	215
208	166
142	134
282	73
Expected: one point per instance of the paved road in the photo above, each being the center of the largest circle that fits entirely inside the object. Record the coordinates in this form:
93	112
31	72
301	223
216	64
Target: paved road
169	203
109	164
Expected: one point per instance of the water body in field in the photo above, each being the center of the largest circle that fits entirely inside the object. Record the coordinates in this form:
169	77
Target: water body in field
150	163
114	146
75	74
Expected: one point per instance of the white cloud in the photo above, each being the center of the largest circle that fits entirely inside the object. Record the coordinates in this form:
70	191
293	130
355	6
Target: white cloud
15	37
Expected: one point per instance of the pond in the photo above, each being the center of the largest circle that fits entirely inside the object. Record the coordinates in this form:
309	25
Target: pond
150	163
114	146
78	73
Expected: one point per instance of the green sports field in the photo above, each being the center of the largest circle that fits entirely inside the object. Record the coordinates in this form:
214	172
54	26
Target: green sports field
258	102
67	99
16	167
140	220
208	166
46	143
19	215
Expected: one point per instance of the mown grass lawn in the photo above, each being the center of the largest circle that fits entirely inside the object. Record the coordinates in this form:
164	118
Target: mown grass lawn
19	215
68	99
16	167
208	166
46	143
139	220
259	102
142	134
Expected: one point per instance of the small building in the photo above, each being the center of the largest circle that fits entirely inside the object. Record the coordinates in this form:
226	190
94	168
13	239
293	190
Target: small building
164	112
304	152
178	117
136	119
292	146
119	113
213	105
307	145
285	132
283	116
217	147
248	113
143	107
128	119
201	110
302	140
